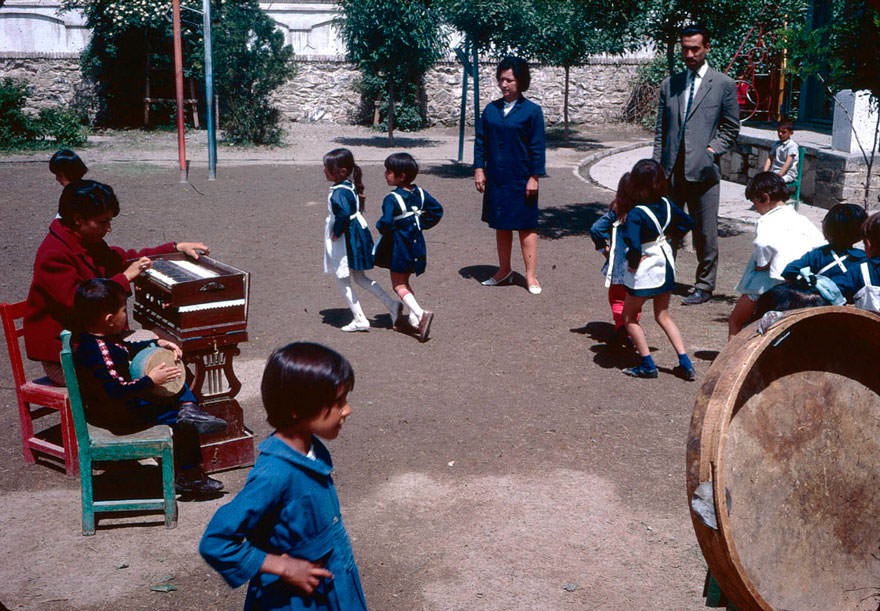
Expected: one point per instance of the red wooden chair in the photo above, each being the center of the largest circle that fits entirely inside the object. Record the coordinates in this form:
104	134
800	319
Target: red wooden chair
36	399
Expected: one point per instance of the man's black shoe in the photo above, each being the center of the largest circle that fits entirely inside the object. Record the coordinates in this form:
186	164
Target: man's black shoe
203	422
203	485
697	297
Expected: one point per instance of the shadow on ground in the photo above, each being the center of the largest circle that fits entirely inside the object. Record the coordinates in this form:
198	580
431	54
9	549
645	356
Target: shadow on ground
569	219
450	170
556	139
383	142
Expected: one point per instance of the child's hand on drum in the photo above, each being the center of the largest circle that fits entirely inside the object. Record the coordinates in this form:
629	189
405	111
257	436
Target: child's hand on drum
135	268
164	343
164	373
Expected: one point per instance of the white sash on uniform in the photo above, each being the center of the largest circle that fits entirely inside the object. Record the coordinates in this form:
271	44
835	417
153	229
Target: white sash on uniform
335	252
838	261
651	272
868	297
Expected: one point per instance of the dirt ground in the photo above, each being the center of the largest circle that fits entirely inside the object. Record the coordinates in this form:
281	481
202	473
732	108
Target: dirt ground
504	464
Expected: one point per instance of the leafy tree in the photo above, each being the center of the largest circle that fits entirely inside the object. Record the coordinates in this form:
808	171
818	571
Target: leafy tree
251	59
845	54
393	43
567	32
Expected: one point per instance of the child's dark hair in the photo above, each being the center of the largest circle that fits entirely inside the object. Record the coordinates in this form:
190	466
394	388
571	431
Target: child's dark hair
520	69
88	199
96	298
302	379
871	232
68	164
622	199
402	163
786	125
769	184
647	184
788	296
842	225
344	159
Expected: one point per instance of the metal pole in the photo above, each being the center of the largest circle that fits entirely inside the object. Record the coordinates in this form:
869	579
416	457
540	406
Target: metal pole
178	86
461	115
209	90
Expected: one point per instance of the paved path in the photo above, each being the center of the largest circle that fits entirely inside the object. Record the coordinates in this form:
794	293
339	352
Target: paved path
733	205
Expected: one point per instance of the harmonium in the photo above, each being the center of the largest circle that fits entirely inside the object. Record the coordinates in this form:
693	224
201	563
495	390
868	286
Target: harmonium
202	305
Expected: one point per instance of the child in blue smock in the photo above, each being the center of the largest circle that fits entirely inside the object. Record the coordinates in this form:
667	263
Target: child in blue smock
406	212
605	233
348	244
283	532
651	263
861	284
842	227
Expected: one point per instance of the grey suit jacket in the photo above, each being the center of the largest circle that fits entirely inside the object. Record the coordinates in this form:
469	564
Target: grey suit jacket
713	121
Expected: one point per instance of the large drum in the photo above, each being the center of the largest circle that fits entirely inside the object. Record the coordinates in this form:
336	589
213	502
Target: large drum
148	359
783	456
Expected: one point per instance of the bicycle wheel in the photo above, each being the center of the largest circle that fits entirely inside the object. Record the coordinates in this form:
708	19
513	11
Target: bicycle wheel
747	97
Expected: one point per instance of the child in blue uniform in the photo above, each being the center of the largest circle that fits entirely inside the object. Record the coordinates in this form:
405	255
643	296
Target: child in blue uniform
406	212
842	227
861	284
283	532
348	244
605	233
651	271
122	405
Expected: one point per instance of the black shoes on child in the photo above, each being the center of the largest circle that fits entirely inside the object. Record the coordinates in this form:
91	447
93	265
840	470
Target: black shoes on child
204	423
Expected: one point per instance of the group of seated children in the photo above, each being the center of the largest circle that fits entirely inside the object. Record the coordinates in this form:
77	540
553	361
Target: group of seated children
793	265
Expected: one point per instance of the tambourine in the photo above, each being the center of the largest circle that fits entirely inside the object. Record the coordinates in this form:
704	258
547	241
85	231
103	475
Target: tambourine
148	359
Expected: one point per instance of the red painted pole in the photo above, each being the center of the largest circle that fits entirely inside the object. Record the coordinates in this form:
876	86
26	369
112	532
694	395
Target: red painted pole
178	86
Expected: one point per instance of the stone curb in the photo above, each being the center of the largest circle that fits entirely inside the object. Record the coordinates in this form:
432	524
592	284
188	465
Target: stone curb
592	158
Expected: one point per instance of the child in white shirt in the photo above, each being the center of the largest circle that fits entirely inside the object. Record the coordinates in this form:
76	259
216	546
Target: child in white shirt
783	159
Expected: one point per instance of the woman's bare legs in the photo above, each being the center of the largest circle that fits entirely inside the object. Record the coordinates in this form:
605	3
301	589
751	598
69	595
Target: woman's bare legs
504	244
528	241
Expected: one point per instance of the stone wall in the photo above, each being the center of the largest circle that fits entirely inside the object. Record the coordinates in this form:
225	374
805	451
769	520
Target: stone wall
54	78
325	90
829	177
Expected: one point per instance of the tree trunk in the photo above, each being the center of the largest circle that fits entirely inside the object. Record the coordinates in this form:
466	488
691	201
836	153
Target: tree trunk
670	55
870	159
390	117
476	68
565	102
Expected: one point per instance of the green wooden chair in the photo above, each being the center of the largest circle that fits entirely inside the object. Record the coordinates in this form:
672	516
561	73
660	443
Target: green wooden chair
97	444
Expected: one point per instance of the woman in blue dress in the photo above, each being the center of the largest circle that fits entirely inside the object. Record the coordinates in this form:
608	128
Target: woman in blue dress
508	160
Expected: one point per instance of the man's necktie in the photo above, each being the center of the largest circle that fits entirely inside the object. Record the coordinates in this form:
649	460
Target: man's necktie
687	110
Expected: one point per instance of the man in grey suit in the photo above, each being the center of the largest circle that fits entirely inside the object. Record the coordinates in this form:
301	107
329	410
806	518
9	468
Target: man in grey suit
697	122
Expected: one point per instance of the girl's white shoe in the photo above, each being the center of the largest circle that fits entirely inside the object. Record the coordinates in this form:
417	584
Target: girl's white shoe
355	326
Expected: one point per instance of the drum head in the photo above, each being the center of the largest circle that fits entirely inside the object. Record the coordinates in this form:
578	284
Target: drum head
787	429
148	359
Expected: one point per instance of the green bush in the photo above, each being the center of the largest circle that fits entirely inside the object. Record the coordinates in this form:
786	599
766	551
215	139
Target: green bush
62	124
16	128
641	107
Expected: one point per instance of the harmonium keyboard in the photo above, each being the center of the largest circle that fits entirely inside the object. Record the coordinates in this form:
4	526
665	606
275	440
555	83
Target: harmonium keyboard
197	303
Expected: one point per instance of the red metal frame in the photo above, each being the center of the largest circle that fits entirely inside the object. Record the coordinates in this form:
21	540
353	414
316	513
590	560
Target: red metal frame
36	400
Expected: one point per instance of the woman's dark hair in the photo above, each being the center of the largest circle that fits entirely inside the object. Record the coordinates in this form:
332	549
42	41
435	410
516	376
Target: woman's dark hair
302	379
402	163
647	184
520	69
842	225
87	199
344	159
96	298
769	184
871	232
68	164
